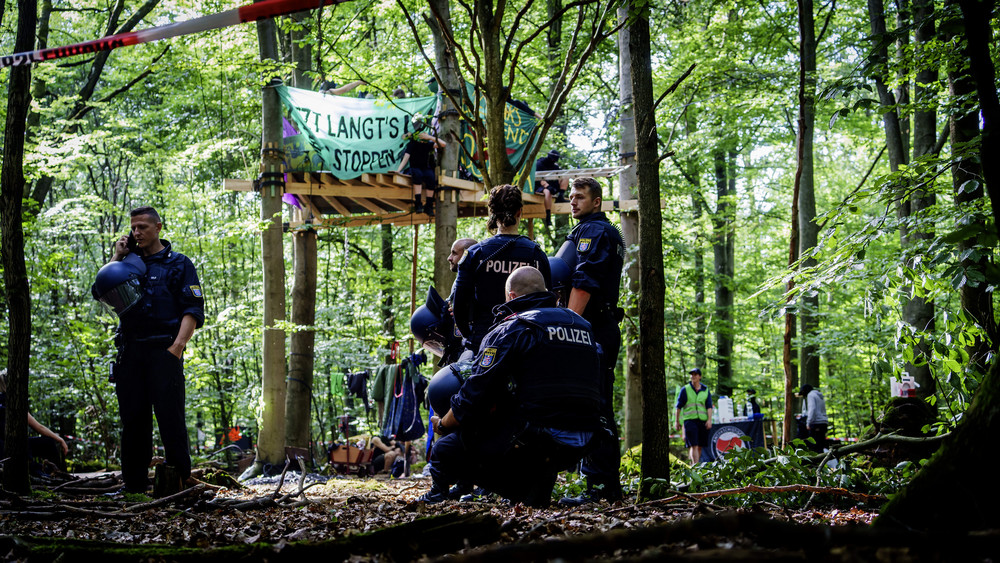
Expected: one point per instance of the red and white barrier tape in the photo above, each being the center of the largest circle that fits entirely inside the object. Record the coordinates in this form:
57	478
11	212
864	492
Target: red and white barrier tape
248	13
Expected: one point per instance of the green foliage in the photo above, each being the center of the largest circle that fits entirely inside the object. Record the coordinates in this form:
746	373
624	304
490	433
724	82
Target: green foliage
791	466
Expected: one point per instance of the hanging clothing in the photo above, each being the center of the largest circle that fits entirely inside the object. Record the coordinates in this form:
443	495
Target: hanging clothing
402	413
357	385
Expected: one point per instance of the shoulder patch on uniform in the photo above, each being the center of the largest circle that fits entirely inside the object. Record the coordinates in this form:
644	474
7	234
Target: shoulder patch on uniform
583	245
489	354
196	290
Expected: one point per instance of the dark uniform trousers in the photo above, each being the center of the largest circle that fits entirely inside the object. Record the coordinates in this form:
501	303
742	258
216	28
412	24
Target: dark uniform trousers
601	467
148	377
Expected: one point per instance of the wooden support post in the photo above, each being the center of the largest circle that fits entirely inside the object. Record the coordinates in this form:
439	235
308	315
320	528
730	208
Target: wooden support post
413	278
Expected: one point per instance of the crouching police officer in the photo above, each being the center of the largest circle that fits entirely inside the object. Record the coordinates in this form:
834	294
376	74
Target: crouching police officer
159	306
530	406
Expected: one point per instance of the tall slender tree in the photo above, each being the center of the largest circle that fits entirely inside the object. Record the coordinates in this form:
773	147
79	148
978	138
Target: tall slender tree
15	273
655	433
271	442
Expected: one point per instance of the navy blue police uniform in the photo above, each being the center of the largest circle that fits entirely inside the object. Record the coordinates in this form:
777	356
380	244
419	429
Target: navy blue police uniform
600	256
147	376
531	401
482	275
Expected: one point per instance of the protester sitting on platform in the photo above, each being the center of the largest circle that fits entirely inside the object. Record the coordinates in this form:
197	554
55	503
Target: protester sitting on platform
419	155
330	87
530	407
553	189
49	446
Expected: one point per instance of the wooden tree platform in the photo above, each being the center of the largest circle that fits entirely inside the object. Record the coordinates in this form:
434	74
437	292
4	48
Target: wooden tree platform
374	199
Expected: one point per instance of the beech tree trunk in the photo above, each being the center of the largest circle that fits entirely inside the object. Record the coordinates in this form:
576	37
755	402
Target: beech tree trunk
808	312
298	400
917	311
270	444
15	272
446	213
627	182
500	170
722	246
966	177
655	431
955	490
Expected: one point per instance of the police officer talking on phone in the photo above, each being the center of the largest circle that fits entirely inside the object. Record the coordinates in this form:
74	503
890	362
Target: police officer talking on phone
159	305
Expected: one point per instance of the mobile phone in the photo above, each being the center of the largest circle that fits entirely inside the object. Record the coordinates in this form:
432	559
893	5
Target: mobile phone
130	243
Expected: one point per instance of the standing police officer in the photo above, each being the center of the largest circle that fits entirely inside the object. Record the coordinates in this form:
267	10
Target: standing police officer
595	285
531	404
484	267
151	337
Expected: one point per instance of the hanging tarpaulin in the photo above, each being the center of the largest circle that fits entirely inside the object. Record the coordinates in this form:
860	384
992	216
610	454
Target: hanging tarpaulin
345	136
518	127
248	13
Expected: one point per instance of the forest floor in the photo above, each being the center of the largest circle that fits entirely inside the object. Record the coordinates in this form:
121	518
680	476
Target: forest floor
381	519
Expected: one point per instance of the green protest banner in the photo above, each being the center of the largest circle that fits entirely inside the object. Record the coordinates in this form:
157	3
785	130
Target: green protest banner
346	136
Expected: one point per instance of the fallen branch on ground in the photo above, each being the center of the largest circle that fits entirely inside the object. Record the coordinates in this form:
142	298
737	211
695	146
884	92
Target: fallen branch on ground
758	489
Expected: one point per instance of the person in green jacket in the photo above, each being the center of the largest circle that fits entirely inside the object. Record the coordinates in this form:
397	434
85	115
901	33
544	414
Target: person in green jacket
694	410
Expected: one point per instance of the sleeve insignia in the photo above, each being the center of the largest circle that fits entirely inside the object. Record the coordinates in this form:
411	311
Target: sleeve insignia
195	290
489	354
583	245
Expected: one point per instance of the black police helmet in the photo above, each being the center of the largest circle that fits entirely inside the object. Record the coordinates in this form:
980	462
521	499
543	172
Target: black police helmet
118	285
561	274
431	324
442	387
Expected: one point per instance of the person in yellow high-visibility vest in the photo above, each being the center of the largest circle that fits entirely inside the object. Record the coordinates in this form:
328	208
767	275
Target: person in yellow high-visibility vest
694	410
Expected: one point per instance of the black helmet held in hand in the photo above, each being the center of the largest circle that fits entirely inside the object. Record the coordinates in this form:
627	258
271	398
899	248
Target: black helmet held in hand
118	285
431	324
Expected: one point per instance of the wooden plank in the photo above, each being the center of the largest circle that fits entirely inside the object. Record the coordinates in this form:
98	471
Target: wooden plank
308	202
352	191
237	185
369	205
337	205
394	203
452	182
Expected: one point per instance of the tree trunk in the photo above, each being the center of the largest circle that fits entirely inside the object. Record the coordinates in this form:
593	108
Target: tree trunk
500	169
655	431
627	182
298	400
917	311
270	445
966	177
388	316
721	245
977	16
446	214
15	272
880	57
808	229
955	491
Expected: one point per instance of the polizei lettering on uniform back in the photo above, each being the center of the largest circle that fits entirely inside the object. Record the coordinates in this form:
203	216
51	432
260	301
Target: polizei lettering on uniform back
575	335
507	266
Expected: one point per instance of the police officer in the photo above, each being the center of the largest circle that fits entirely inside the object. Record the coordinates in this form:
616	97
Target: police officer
596	248
151	339
530	405
484	267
